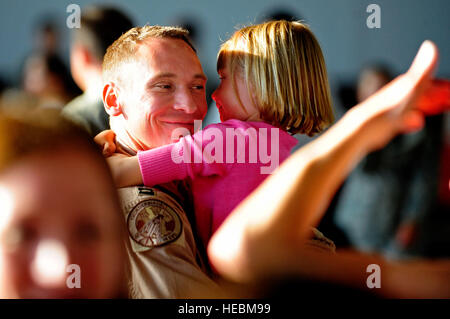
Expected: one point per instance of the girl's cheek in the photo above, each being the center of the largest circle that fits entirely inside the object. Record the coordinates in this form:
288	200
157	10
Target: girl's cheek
14	273
98	275
89	260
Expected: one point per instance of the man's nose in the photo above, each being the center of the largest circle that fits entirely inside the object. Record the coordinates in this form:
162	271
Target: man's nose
185	101
48	268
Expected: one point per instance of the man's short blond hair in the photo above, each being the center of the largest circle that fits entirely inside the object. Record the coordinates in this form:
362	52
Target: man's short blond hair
284	66
124	49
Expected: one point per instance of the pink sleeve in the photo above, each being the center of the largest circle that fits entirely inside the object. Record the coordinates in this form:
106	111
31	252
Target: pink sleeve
180	160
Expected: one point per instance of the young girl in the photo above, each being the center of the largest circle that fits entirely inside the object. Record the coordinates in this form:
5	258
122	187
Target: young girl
273	85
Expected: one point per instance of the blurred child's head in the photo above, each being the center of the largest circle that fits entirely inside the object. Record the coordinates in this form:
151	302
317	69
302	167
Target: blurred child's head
58	208
275	71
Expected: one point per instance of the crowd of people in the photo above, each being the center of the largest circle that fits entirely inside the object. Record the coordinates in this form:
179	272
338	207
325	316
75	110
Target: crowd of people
152	221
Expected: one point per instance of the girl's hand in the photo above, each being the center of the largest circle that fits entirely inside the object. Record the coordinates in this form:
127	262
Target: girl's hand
124	169
106	140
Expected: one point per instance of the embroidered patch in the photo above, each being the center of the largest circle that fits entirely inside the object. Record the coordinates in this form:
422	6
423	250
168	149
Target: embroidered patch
146	191
153	223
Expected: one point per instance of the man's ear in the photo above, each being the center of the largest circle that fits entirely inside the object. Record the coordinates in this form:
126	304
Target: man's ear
111	99
81	56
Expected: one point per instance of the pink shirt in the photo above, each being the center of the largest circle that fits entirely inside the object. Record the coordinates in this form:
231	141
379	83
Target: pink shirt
225	162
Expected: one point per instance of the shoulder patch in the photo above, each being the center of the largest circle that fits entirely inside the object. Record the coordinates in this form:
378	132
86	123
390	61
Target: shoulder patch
153	223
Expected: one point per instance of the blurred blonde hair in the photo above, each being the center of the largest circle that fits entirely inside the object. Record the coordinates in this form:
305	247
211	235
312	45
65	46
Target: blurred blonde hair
124	49
284	66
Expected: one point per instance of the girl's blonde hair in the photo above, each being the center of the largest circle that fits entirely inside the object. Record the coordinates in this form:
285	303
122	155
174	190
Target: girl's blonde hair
284	66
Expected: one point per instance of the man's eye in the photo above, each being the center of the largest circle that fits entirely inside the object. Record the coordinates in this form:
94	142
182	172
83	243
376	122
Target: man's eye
164	86
198	87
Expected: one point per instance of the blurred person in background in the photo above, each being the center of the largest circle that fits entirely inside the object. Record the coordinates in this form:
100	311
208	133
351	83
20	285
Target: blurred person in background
3	87
58	209
280	13
371	79
46	36
389	203
44	80
100	26
48	81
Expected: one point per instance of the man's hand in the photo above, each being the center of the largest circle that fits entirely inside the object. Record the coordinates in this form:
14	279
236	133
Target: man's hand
106	141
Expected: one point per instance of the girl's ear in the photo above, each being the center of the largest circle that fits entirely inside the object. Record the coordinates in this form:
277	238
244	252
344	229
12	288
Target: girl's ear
111	99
